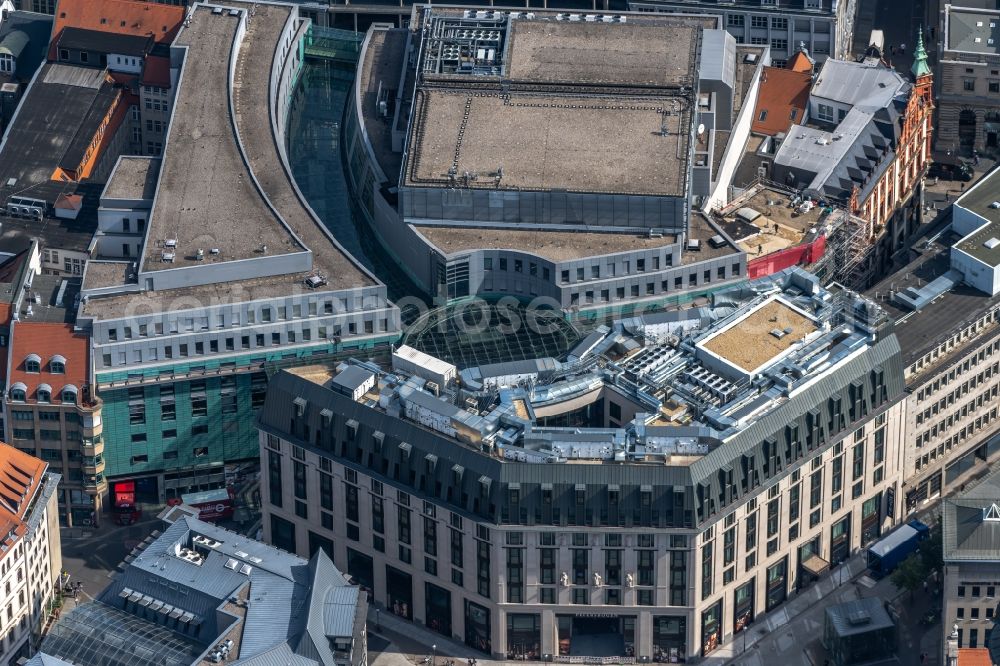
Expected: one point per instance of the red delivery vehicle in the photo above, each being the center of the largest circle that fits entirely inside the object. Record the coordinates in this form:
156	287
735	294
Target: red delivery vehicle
211	504
126	509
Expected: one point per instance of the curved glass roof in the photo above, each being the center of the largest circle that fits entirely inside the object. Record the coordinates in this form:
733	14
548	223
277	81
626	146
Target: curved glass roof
96	633
475	332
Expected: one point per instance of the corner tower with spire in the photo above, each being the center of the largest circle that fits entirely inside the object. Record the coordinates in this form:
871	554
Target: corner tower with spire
920	67
921	106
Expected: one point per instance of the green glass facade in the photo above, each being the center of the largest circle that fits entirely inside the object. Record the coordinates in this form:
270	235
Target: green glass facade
164	418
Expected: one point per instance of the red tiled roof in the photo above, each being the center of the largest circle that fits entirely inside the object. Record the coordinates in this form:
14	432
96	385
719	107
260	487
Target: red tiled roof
20	476
47	339
156	71
800	62
782	100
4	322
124	17
974	657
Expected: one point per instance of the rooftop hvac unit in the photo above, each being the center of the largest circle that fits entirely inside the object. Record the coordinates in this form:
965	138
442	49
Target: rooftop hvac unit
167	257
315	281
170	242
995	205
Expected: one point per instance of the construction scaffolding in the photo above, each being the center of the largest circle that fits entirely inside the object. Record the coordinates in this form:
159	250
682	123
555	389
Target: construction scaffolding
848	257
849	251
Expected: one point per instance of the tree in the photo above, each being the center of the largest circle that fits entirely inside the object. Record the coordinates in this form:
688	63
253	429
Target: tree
910	574
932	551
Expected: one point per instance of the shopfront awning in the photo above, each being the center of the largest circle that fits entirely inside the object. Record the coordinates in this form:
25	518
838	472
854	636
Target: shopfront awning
815	565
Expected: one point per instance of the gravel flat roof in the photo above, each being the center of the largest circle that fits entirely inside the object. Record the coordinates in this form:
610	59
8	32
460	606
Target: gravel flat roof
593	143
553	245
748	344
207	198
133	177
636	54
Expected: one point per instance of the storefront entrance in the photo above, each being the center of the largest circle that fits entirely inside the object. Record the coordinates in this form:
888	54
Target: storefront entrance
399	593
669	639
438	609
524	636
477	628
597	635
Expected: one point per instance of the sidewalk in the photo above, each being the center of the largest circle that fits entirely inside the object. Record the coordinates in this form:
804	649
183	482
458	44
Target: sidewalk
409	643
745	647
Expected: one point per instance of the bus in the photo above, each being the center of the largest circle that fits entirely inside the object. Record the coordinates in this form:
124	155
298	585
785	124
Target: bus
212	505
126	509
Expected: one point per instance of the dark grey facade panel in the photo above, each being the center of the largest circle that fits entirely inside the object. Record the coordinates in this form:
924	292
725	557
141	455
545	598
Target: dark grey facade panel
432	465
549	207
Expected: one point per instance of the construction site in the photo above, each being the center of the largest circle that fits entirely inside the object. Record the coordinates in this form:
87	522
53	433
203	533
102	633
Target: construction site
778	228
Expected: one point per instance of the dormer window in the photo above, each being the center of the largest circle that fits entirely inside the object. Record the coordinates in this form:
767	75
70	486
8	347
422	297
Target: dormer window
18	392
44	393
68	394
33	363
57	365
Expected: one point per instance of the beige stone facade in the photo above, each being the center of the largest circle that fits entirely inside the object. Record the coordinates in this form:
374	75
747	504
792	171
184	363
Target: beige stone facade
522	592
968	81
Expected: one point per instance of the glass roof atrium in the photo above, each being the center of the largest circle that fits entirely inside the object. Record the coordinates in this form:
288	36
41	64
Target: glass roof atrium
477	333
96	633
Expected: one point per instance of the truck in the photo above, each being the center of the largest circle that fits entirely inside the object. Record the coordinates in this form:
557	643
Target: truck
886	554
212	505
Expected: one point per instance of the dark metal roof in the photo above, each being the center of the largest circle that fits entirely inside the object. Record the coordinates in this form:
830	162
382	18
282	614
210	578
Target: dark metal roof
52	113
920	332
966	533
284	623
37	28
105	42
352	378
479	489
88	126
858	617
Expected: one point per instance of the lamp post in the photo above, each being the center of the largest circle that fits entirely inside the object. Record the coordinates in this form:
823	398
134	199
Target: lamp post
433	653
378	620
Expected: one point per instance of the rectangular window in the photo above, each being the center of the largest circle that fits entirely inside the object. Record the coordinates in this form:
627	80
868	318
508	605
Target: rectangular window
274	476
751	532
136	406
816	488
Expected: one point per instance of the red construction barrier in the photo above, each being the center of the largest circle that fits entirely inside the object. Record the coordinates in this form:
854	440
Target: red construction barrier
806	253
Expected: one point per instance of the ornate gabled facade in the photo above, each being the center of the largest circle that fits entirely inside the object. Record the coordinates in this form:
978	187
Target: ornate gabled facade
867	145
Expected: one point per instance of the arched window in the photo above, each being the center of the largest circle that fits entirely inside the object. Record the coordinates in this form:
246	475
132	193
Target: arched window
32	363
69	394
57	365
44	393
18	392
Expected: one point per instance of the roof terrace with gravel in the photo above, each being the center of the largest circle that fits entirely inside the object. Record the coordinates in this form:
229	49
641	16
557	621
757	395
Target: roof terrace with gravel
595	104
207	198
224	189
